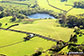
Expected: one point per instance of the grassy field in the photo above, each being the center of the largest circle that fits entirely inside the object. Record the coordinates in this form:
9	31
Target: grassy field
81	38
46	27
6	20
61	5
21	49
44	4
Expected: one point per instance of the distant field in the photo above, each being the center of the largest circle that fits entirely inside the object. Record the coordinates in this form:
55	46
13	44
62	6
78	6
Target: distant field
11	6
44	4
61	5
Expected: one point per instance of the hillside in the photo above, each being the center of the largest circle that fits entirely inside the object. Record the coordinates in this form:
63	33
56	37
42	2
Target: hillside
62	5
22	48
43	27
61	31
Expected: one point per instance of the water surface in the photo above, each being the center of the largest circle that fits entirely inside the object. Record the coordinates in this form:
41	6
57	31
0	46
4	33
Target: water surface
41	16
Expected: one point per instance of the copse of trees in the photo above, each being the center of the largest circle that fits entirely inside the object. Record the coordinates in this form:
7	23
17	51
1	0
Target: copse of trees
73	38
21	11
72	20
13	19
1	8
74	49
38	52
18	15
77	20
18	10
79	4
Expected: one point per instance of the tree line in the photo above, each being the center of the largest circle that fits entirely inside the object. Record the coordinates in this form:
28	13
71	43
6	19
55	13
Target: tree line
72	20
79	4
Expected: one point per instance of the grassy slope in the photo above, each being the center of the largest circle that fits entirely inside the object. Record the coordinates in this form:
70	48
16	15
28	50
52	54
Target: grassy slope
21	49
80	40
17	6
59	4
43	27
44	4
46	28
5	20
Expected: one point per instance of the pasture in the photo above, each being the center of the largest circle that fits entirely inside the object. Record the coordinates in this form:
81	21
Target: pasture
46	27
62	5
23	48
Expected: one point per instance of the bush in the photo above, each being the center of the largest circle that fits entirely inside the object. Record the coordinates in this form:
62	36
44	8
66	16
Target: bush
0	24
13	19
73	21
2	55
74	49
1	8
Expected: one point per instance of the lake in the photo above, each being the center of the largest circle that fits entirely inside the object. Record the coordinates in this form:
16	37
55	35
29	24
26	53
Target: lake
40	16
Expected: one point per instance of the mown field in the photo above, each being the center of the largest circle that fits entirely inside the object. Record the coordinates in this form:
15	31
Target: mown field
45	27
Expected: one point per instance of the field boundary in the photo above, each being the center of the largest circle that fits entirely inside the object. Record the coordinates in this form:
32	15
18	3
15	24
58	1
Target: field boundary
44	37
56	7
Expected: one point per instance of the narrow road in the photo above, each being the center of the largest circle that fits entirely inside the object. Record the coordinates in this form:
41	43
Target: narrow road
69	10
56	7
47	38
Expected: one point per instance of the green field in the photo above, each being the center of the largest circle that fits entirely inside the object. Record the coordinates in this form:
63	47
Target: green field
45	27
21	49
61	5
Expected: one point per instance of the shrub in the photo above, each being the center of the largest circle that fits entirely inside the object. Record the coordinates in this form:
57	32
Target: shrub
13	19
0	24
